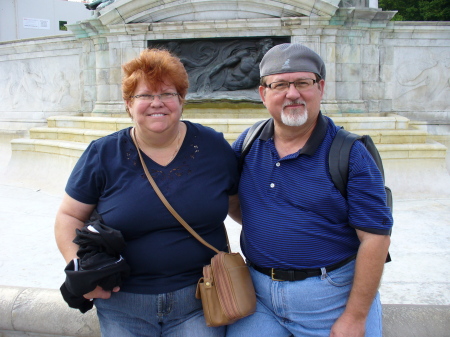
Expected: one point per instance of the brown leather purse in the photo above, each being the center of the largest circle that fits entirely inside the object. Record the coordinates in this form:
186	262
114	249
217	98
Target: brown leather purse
226	288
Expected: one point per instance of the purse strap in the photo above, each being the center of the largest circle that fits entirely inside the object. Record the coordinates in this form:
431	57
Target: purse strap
166	203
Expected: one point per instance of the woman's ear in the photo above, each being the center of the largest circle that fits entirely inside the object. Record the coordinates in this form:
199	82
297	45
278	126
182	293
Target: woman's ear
128	105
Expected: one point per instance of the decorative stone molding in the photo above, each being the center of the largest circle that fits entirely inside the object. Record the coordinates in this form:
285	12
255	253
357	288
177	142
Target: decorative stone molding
139	11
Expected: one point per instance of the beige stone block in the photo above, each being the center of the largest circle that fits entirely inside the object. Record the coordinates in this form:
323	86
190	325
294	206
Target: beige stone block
324	8
393	154
427	154
70	123
72	136
46	148
348	90
370	72
371	90
71	152
218	127
22	145
349	72
238	128
107	125
124	124
42	133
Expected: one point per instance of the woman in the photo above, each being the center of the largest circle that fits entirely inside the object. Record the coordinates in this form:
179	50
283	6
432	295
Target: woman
195	169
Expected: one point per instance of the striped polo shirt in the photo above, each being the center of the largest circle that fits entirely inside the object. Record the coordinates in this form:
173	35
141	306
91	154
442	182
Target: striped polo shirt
293	215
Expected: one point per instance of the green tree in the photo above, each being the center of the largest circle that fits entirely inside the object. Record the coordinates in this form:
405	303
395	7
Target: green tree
419	10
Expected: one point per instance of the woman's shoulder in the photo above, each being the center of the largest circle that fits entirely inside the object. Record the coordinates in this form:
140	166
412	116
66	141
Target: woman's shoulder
113	138
198	129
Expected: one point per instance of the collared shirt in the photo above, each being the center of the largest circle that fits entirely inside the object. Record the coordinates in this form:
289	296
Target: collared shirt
293	215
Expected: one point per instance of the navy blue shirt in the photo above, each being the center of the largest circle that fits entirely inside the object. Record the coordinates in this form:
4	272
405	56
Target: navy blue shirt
293	215
162	255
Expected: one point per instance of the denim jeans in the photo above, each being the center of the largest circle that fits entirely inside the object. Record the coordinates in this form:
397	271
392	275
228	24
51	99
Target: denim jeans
305	308
174	314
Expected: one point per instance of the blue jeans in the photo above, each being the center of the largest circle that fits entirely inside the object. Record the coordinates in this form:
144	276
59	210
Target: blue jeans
174	314
305	308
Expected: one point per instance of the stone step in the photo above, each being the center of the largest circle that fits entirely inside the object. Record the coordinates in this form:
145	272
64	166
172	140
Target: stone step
230	129
430	149
55	147
229	125
70	135
86	122
411	136
88	135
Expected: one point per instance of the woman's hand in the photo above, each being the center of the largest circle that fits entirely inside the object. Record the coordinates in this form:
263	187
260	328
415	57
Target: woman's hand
100	293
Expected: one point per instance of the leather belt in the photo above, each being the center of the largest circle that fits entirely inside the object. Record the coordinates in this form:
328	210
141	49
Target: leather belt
297	274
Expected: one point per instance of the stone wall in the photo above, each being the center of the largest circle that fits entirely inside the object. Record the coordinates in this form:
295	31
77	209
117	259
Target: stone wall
40	78
373	64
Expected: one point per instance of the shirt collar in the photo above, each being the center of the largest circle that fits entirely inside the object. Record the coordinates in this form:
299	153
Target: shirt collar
314	140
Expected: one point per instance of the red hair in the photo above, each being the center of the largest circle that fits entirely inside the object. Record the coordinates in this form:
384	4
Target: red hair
155	67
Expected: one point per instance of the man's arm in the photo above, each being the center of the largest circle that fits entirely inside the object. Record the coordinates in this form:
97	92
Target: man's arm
370	261
234	209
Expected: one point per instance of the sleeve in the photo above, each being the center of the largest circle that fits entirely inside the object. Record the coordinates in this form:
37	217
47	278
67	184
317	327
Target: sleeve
232	165
366	194
87	180
237	144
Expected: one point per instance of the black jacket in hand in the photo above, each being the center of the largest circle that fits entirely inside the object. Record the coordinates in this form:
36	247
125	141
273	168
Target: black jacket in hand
99	263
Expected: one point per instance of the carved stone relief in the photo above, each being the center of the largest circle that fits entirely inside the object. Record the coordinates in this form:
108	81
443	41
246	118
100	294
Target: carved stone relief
421	79
31	85
221	66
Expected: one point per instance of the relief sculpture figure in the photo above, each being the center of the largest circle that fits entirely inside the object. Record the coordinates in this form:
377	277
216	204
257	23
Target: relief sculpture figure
239	71
427	85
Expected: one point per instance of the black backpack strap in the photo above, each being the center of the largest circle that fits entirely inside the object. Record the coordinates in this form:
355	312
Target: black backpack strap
339	156
338	159
253	133
370	146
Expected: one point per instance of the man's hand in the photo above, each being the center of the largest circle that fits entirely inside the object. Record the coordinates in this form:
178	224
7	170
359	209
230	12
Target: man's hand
100	293
347	326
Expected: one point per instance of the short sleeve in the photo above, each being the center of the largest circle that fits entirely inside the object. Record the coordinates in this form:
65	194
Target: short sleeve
366	194
86	180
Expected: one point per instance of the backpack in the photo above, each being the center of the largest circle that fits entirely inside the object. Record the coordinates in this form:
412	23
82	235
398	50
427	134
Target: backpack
338	157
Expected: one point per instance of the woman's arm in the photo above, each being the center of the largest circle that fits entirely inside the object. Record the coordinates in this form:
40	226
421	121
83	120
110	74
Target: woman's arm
234	208
71	215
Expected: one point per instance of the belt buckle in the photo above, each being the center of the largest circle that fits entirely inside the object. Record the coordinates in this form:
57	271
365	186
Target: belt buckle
272	273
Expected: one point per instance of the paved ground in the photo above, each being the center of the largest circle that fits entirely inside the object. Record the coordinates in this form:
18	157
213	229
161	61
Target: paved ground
418	274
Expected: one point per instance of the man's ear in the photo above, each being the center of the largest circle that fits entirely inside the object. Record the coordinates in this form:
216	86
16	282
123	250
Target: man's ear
262	94
321	86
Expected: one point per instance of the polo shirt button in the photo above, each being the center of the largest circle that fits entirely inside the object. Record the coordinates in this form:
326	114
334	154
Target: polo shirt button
272	185
278	164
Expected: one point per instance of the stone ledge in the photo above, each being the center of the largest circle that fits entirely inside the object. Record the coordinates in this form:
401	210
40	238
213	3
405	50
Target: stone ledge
36	312
400	320
42	312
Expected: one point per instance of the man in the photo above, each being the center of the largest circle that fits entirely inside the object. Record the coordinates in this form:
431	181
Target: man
316	258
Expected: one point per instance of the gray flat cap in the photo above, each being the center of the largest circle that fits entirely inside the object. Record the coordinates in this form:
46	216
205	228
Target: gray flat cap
291	58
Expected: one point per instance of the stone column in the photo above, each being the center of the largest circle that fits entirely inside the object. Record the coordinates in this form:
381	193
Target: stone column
372	86
102	72
89	81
